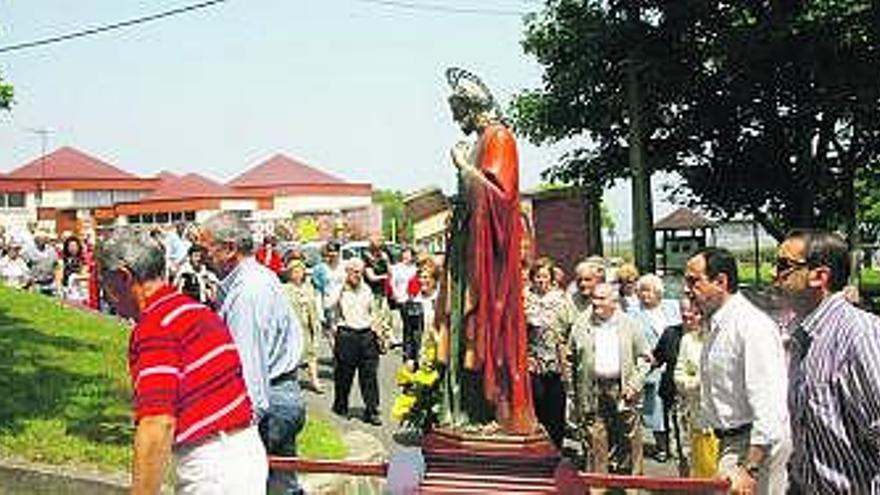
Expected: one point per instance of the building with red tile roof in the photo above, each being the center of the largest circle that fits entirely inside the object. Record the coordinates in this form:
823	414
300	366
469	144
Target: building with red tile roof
69	190
191	197
63	189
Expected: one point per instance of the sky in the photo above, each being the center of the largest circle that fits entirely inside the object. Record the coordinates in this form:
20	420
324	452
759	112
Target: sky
352	87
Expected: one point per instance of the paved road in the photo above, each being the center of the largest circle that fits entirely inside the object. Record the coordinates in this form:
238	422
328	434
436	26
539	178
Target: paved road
320	404
388	366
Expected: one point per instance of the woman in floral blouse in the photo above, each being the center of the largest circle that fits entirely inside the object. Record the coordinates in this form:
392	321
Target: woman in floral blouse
304	300
543	303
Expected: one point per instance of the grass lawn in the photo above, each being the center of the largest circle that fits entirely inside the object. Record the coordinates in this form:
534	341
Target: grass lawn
65	392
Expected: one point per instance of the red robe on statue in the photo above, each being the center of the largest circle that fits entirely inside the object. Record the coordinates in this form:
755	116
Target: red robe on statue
495	333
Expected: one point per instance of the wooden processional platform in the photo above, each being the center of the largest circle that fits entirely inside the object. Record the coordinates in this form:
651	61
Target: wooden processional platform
464	463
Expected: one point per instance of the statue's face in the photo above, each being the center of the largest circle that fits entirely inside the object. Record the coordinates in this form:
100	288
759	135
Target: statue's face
462	114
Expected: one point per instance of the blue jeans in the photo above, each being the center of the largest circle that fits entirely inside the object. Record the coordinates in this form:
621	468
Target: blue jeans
279	426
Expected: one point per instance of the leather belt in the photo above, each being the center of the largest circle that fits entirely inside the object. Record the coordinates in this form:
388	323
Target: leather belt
355	330
733	432
283	377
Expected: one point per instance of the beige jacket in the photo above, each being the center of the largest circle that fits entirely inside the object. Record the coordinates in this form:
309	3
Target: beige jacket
634	359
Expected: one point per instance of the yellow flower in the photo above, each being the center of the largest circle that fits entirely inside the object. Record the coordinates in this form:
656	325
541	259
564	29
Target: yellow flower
426	377
430	353
402	406
404	375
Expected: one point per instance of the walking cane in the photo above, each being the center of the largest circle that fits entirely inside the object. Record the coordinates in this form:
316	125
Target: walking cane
683	468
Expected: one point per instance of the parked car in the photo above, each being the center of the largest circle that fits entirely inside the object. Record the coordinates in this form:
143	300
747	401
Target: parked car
358	248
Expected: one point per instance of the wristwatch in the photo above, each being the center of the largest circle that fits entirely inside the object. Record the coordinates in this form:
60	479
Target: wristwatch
752	468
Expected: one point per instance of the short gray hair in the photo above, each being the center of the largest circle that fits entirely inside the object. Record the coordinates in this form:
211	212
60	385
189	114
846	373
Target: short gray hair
606	287
354	263
228	228
652	281
590	265
137	253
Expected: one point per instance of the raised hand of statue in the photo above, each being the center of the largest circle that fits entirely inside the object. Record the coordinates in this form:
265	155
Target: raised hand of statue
461	154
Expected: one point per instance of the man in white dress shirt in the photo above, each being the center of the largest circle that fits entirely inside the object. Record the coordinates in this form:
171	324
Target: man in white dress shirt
743	395
610	362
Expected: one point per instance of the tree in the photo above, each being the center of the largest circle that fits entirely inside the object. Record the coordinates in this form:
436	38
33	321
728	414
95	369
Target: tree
6	95
769	109
395	224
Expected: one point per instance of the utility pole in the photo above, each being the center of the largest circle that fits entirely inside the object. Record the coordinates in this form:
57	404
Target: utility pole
43	133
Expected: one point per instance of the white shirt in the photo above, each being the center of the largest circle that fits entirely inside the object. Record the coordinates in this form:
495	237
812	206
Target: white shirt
744	378
401	274
607	355
14	272
355	307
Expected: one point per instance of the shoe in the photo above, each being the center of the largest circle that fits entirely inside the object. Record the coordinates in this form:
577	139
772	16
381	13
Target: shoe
372	419
661	456
343	413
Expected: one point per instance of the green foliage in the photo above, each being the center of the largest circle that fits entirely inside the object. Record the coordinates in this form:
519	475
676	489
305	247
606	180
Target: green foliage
768	109
395	223
64	376
6	95
319	440
66	396
608	222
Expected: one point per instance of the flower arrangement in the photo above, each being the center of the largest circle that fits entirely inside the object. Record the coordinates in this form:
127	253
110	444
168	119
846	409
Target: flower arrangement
417	405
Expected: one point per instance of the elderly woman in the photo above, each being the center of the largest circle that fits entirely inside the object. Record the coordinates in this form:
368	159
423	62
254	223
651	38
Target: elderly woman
627	278
546	348
703	445
429	280
189	397
304	300
656	315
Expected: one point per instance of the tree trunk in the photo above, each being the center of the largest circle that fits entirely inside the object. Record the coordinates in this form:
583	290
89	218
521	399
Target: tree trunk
592	199
642	204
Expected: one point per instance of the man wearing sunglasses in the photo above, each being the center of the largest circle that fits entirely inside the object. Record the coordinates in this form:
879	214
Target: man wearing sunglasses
834	395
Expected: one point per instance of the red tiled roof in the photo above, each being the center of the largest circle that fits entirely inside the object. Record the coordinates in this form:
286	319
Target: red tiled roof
69	163
190	186
683	219
166	176
282	170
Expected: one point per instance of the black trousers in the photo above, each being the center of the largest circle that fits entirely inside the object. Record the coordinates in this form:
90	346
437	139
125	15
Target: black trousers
548	394
356	351
412	315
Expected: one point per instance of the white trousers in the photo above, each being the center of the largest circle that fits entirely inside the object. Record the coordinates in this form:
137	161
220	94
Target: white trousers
224	465
773	476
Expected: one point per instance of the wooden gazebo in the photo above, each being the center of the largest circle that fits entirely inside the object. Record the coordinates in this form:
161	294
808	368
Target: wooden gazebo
684	232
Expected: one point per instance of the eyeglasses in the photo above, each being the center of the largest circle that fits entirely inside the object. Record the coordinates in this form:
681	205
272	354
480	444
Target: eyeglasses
692	280
784	266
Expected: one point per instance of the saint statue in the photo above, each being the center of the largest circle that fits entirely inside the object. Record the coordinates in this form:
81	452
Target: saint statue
482	328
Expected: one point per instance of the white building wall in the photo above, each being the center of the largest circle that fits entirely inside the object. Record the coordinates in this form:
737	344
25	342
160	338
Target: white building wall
58	199
17	218
238	205
204	215
285	205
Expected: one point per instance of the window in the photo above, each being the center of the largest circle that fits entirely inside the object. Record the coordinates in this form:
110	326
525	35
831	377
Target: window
161	217
15	200
2	200
189	216
176	216
147	218
134	219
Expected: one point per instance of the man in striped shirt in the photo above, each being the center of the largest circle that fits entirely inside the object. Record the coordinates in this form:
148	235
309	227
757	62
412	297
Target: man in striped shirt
834	394
190	397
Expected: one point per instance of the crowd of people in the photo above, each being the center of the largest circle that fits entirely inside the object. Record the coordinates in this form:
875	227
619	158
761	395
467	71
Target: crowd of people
787	402
60	266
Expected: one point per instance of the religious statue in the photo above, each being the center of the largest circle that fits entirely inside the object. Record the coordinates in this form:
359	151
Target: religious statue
480	316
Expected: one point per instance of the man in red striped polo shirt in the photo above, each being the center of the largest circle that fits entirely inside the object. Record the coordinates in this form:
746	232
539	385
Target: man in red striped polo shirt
190	397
